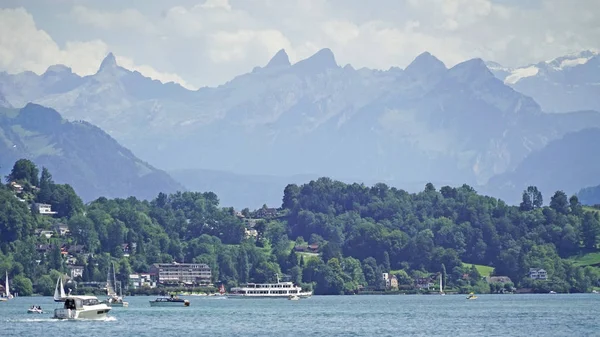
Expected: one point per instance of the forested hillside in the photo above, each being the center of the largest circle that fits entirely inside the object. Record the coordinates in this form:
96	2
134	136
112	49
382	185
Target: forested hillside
355	234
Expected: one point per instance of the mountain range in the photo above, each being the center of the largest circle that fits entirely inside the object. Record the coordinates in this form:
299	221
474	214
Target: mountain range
427	122
566	83
77	153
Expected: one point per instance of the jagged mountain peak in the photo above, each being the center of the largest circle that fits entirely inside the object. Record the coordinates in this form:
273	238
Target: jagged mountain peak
109	62
58	68
470	70
426	68
280	59
424	62
321	60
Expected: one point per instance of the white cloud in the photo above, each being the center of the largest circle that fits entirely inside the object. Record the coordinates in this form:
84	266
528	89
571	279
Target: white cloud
25	47
121	20
210	41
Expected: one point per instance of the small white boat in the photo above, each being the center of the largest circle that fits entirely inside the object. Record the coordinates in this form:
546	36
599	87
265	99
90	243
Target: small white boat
35	310
82	307
293	298
169	302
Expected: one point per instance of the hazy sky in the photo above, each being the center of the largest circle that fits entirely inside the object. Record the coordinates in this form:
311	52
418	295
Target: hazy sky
207	42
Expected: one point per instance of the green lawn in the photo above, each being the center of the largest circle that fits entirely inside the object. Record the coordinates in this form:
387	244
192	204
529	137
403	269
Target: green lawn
483	270
590	259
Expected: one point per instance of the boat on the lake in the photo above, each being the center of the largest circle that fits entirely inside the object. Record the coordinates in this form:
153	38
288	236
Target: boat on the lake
7	295
35	310
269	290
113	299
82	307
59	291
172	301
472	296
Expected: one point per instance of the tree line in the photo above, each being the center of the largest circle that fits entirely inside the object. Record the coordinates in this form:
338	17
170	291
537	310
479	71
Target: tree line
360	231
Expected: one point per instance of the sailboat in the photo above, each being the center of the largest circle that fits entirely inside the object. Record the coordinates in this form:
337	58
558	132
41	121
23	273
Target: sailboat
7	295
441	287
59	291
114	300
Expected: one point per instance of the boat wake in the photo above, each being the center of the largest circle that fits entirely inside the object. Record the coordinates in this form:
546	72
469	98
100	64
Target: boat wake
36	320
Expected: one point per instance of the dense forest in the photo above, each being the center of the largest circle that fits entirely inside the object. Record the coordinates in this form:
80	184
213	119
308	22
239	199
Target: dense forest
356	233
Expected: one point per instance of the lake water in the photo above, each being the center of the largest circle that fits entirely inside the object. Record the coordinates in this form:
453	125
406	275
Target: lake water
369	316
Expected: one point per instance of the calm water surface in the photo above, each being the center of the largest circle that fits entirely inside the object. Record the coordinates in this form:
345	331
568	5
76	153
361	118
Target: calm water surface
381	316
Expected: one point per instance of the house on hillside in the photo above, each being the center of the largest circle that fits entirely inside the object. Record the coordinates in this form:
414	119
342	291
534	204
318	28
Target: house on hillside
391	281
43	209
17	188
250	233
266	213
423	283
45	233
538	274
61	229
75	271
498	279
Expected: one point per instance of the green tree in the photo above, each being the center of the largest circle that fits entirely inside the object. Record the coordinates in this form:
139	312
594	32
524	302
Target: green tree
46	183
559	202
22	285
590	230
24	170
45	286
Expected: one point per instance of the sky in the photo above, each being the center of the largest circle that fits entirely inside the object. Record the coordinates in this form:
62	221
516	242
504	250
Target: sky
208	42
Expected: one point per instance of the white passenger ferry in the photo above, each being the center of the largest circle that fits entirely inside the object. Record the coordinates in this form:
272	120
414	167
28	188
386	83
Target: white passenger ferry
269	290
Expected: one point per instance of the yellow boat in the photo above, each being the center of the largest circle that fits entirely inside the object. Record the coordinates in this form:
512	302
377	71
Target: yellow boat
472	296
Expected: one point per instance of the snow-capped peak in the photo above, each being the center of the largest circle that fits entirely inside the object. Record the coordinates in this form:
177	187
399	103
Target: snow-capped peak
517	74
572	60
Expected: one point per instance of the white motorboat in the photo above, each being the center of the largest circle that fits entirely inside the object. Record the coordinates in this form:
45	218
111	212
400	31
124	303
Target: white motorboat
269	290
82	307
35	310
293	298
172	301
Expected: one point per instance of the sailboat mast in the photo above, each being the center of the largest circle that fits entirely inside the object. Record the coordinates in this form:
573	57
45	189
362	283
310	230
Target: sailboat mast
6	288
114	276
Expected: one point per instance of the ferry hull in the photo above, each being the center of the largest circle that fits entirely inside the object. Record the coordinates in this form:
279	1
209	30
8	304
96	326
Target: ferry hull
272	296
88	314
169	304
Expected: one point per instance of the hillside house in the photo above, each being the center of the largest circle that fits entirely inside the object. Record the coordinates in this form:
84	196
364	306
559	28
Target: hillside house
44	233
498	279
44	248
17	188
61	229
250	233
266	213
391	281
314	248
538	274
423	283
75	271
43	209
141	280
